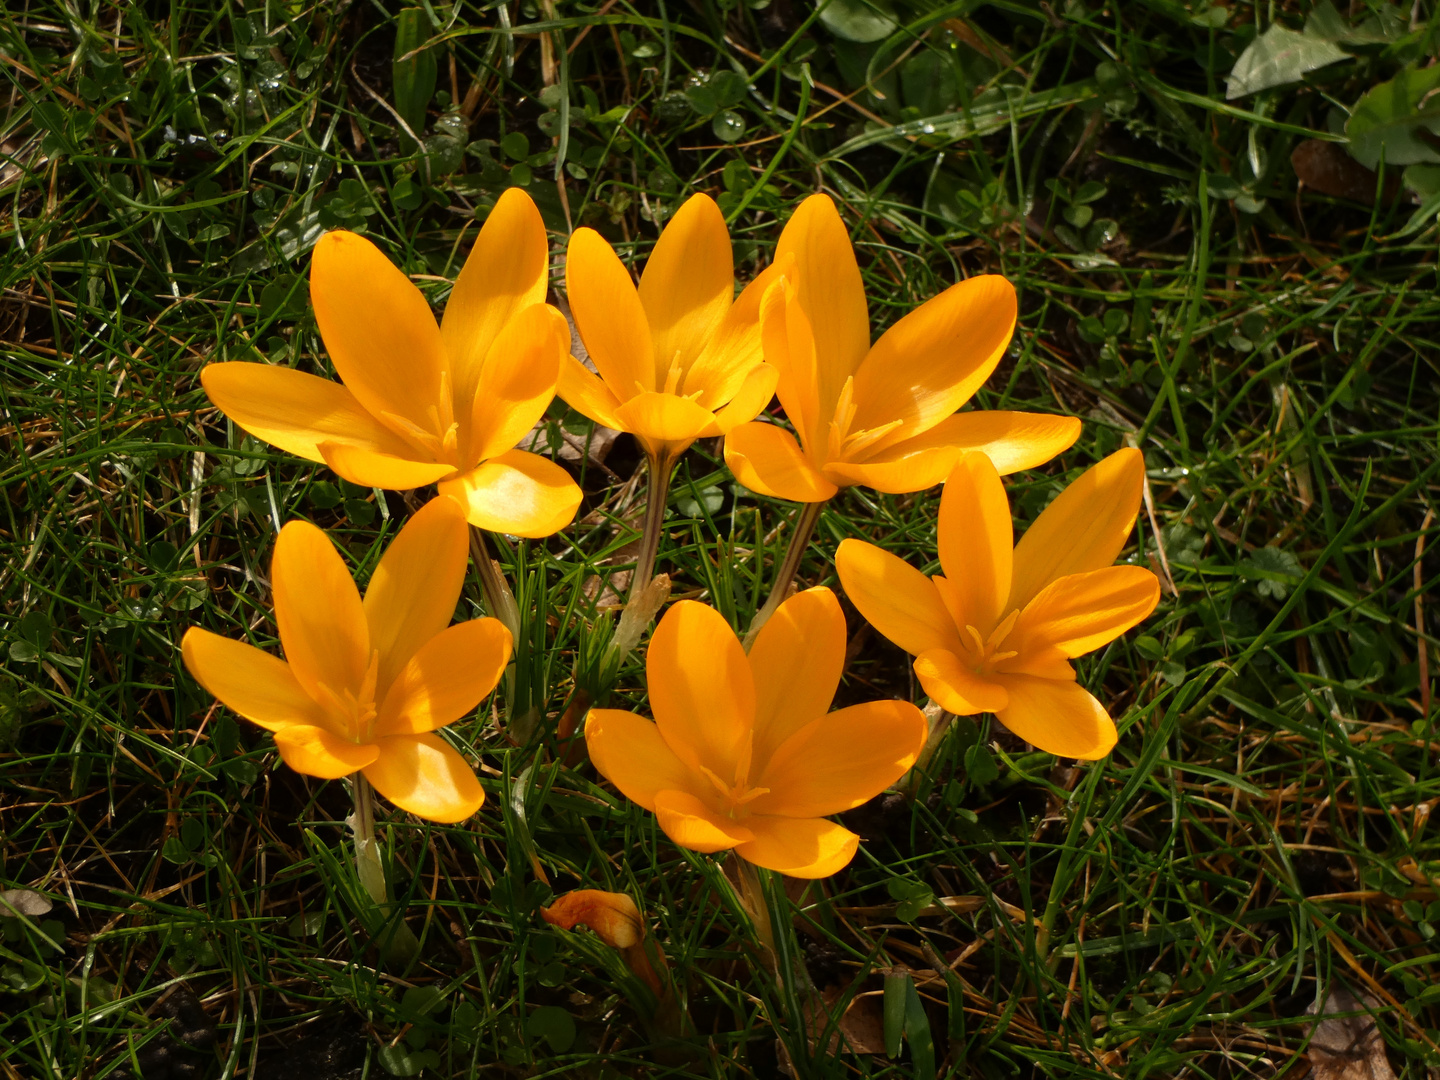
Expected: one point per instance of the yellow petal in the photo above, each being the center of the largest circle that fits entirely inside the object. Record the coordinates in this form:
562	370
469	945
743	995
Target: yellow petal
586	394
413	592
702	693
692	824
789	347
629	751
799	847
518	381
688	284
322	624
296	411
955	687
895	598
1012	440
933	360
315	751
1079	613
377	328
977	541
248	681
664	418
752	396
734	349
829	291
369	469
838	761
767	459
1058	716
446	678
507	272
1085	528
608	314
612	916
797	660
424	775
518	493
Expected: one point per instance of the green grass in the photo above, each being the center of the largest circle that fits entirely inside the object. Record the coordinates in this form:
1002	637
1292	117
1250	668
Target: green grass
1258	838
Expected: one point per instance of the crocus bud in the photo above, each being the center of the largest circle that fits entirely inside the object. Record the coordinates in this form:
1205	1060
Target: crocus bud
615	920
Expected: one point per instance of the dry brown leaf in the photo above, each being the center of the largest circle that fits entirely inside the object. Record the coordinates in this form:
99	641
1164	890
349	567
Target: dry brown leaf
1348	1047
1326	167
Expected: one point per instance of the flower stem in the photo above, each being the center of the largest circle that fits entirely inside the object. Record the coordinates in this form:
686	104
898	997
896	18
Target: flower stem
940	722
367	852
657	490
498	597
800	535
752	895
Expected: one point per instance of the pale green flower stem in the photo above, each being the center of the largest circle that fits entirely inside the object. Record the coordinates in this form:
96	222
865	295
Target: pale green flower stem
940	722
657	483
805	523
500	602
399	945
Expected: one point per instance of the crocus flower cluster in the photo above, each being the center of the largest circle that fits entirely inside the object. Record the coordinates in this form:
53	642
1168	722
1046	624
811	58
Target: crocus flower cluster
741	751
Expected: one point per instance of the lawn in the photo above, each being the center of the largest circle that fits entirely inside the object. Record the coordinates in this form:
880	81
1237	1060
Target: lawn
1220	223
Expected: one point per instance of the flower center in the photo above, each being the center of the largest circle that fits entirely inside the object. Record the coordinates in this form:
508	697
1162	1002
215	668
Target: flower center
441	440
737	796
353	710
844	444
983	654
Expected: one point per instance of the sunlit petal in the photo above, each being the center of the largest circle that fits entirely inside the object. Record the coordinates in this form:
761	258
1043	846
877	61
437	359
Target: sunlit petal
249	681
799	847
629	751
315	751
507	272
1011	440
840	760
664	418
583	391
1078	613
766	459
322	624
702	693
413	592
1060	717
955	687
377	328
688	284
977	540
446	678
797	660
296	411
518	381
934	359
789	347
608	313
694	825
752	396
370	469
734	349
519	493
426	776
1085	528
895	598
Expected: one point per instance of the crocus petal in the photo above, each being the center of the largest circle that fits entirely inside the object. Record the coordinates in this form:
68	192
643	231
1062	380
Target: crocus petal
767	459
413	592
583	391
370	469
789	347
446	678
1079	613
1059	717
752	396
895	598
692	824
838	761
661	418
608	314
322	624
933	360
956	688
519	493
612	916
830	292
629	751
296	411
518	381
315	751
797	660
1085	528
424	775
702	693
377	328
799	847
1012	440
734	348
688	284
976	541
507	272
249	681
